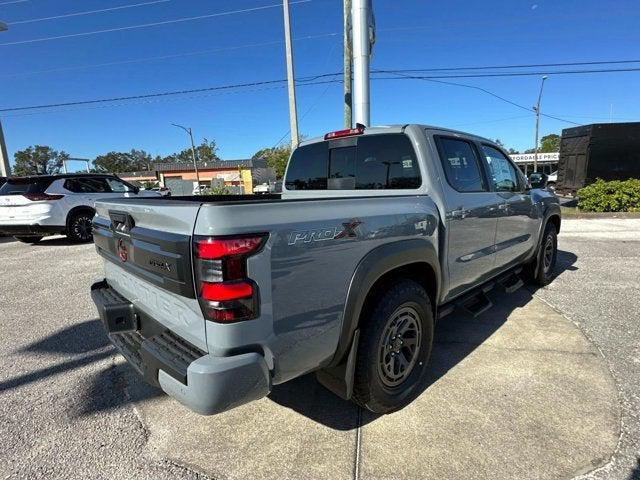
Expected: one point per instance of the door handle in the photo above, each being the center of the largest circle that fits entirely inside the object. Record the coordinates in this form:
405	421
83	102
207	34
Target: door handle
459	213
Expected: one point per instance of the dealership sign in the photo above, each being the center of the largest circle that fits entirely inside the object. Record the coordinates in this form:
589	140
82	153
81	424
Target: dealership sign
542	157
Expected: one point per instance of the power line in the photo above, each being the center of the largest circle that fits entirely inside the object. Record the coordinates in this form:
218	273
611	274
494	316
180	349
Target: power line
498	67
166	57
90	12
514	74
154	24
484	90
311	80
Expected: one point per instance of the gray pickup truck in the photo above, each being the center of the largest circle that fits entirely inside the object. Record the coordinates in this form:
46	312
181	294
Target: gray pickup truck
377	234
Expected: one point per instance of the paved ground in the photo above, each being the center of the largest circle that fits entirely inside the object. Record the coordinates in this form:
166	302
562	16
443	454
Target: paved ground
498	406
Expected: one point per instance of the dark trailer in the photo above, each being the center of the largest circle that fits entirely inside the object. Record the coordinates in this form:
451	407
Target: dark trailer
610	151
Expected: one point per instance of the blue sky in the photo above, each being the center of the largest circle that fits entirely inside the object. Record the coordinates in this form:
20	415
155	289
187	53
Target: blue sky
411	34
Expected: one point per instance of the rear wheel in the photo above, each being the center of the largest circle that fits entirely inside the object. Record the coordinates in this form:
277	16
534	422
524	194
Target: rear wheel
31	240
394	350
80	228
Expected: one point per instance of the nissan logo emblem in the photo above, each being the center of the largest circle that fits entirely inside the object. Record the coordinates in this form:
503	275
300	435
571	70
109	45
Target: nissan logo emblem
123	253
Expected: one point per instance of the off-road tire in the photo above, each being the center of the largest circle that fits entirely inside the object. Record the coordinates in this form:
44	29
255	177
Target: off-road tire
371	382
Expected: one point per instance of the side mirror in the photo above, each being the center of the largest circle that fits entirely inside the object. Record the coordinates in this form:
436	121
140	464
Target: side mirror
538	180
136	190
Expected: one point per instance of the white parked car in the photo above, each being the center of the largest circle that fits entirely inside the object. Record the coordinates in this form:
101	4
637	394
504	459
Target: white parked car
552	180
33	207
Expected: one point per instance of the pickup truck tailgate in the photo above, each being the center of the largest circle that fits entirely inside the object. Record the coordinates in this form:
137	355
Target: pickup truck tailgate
148	260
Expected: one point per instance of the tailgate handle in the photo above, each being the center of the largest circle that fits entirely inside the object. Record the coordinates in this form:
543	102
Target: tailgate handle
121	222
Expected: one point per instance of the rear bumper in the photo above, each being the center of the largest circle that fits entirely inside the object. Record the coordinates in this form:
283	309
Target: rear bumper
204	383
31	230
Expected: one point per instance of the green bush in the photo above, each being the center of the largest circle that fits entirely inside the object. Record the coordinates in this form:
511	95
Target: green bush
613	196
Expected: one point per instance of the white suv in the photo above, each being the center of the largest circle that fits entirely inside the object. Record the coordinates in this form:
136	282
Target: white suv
32	207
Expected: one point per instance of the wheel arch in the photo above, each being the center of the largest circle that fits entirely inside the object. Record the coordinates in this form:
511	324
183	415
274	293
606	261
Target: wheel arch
79	209
416	259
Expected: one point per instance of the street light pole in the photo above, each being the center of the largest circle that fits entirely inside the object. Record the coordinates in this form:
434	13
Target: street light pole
193	152
360	18
537	110
293	109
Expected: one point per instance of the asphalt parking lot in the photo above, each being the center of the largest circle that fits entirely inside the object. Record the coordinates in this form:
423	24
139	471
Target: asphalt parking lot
545	385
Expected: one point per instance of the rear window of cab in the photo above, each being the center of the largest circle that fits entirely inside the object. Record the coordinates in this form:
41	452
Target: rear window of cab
373	162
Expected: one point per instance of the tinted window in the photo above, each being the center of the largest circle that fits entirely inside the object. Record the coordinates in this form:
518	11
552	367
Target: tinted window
87	185
386	161
342	168
18	186
461	165
503	173
376	162
308	167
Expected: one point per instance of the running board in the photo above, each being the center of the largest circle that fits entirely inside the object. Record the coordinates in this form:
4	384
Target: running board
511	283
477	304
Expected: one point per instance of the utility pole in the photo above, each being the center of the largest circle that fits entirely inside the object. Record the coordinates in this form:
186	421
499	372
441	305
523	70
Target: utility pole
193	152
5	168
537	110
362	28
293	109
348	79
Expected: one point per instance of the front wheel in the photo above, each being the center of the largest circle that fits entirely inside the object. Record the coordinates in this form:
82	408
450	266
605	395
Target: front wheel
542	267
80	228
31	240
395	346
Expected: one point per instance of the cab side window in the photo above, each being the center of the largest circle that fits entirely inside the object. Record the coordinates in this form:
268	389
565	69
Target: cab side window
503	174
461	165
86	185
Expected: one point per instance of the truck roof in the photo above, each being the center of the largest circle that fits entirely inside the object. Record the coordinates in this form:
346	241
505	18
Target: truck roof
399	128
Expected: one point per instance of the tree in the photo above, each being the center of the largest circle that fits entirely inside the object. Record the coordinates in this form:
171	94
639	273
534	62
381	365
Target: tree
118	162
499	142
513	151
39	160
550	143
207	151
277	158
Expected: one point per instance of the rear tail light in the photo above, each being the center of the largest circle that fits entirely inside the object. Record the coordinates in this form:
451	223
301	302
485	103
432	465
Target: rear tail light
224	291
349	132
34	197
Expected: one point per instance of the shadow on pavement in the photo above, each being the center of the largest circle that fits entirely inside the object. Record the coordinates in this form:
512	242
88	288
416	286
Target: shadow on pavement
456	336
84	343
115	387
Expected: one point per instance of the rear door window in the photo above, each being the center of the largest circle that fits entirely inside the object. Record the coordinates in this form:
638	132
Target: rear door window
20	186
374	162
461	165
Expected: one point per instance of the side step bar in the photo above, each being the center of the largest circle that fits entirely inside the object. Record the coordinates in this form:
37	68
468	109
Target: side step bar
477	302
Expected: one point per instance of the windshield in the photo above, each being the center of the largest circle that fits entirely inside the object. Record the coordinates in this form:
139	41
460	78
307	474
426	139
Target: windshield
20	186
